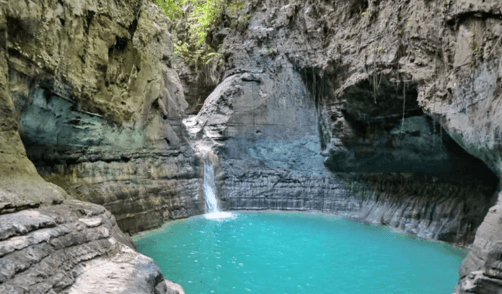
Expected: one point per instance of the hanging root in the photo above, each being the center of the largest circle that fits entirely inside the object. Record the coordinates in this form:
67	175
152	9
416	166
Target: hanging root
375	90
404	106
375	82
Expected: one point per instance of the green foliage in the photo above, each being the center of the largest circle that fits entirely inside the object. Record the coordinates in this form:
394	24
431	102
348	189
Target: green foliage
172	8
238	17
199	57
370	12
205	13
367	14
202	15
195	19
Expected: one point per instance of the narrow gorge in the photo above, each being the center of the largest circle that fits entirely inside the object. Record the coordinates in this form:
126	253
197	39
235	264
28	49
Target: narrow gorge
385	112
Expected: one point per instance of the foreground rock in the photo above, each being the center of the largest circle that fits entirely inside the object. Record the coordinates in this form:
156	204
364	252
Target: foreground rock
74	247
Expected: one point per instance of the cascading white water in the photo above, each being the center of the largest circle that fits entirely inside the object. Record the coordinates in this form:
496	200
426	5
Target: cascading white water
212	208
204	148
210	189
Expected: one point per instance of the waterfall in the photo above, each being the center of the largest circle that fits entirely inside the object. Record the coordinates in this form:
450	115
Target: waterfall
210	193
210	189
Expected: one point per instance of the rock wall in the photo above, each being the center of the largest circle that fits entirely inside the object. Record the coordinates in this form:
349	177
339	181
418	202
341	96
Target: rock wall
18	173
265	128
99	109
74	247
426	207
389	87
143	185
85	86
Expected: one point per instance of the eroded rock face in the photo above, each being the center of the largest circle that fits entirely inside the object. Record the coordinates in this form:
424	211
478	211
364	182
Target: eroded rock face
98	107
145	176
267	137
105	57
262	116
391	87
21	186
74	247
83	85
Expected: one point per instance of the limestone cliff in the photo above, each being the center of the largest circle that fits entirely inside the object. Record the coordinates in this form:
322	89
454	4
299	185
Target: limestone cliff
85	86
384	87
99	108
266	133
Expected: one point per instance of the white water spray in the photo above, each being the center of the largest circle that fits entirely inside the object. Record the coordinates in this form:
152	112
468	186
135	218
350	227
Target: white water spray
210	189
212	208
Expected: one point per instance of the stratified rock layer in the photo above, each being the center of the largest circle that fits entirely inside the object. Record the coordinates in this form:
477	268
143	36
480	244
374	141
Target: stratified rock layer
427	207
267	137
83	83
99	109
73	247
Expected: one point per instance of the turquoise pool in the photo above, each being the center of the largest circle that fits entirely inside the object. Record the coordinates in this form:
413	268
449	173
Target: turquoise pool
274	252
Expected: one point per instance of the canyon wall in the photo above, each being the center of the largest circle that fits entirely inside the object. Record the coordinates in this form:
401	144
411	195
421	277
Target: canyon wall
264	126
99	109
381	111
87	95
397	100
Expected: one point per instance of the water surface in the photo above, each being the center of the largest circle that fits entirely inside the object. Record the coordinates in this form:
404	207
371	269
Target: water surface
273	252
